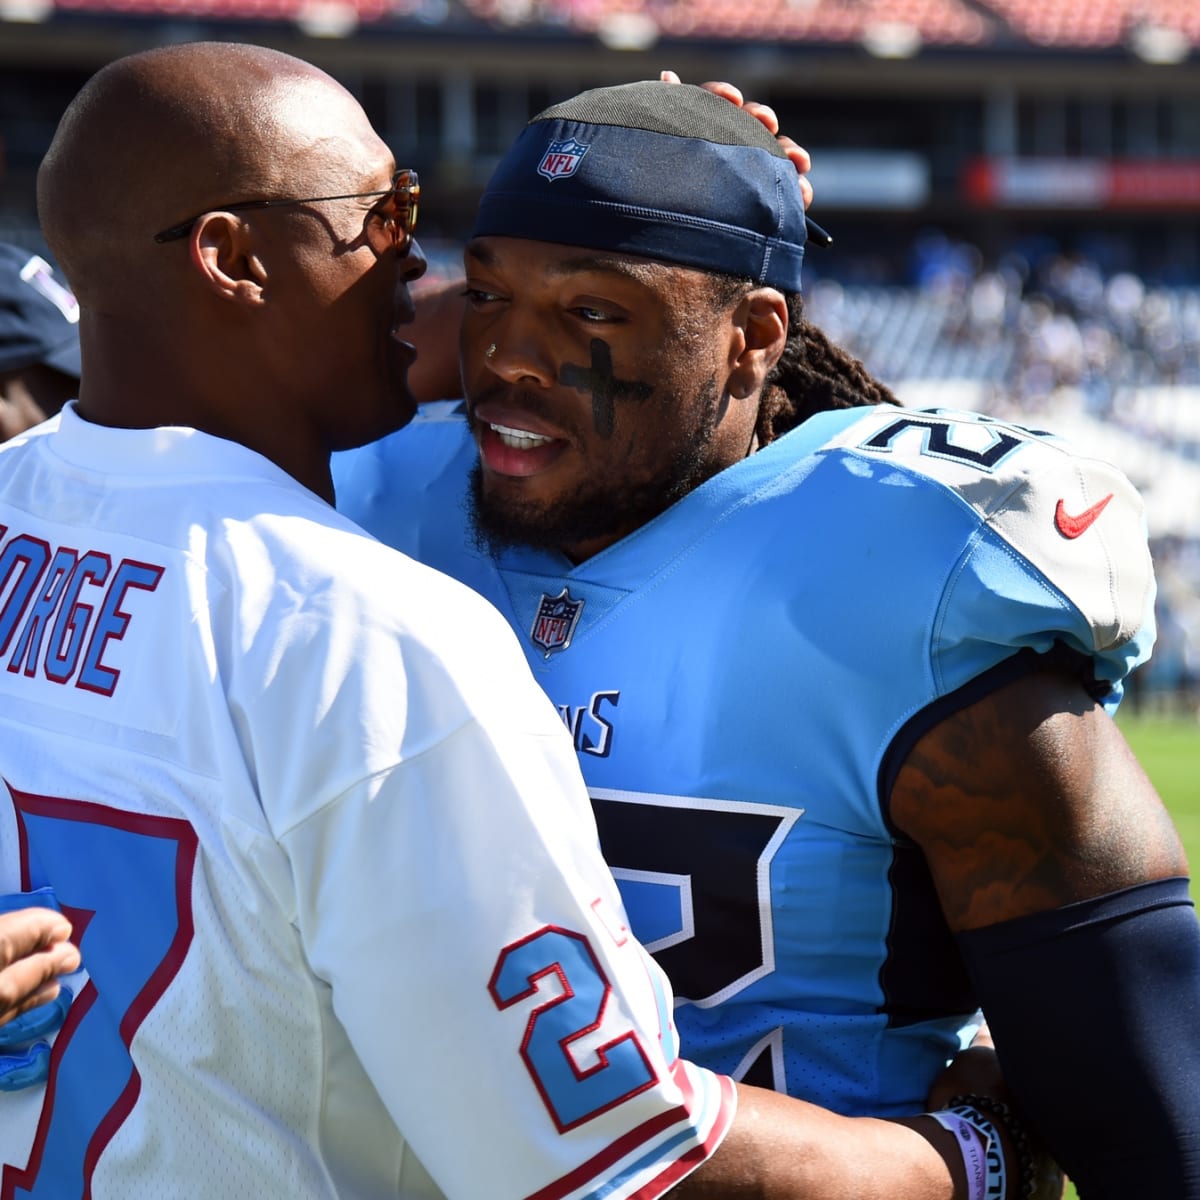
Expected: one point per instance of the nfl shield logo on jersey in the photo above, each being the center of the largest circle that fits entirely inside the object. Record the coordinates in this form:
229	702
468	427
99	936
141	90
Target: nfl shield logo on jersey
554	624
562	159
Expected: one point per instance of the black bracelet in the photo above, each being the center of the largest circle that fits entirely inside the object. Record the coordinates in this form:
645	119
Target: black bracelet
1017	1133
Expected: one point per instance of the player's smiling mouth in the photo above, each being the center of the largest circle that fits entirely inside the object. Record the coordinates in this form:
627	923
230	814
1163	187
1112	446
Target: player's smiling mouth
519	439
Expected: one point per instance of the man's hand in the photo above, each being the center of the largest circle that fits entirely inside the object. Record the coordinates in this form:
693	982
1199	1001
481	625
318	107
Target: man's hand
975	1070
766	114
34	951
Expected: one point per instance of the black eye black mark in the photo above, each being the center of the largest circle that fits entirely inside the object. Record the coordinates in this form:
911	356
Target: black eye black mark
604	386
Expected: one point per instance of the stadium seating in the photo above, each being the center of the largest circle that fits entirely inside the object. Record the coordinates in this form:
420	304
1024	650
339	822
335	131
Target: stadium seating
1094	23
887	25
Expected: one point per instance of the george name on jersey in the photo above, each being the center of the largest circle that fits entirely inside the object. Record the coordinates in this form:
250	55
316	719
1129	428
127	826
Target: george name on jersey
61	608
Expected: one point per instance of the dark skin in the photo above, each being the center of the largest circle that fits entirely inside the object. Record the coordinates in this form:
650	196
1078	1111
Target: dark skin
547	380
1030	799
600	382
282	307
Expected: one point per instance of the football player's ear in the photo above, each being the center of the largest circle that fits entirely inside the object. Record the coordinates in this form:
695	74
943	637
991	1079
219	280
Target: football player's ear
760	330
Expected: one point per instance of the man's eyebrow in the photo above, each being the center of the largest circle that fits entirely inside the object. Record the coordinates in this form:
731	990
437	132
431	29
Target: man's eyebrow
600	263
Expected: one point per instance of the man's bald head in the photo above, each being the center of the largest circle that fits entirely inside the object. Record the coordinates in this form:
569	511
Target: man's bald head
155	137
250	325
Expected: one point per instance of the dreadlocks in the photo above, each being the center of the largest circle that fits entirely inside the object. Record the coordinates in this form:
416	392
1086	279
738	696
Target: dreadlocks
812	375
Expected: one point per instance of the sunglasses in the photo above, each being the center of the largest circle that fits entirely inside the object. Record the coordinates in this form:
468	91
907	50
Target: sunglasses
394	230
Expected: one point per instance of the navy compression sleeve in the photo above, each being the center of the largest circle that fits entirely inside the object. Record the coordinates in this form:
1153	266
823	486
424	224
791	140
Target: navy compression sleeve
1095	1011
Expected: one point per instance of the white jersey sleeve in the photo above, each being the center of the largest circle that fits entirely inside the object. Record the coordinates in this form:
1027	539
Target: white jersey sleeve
479	958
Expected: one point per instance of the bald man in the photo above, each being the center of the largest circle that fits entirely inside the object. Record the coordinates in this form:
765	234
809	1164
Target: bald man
340	902
244	325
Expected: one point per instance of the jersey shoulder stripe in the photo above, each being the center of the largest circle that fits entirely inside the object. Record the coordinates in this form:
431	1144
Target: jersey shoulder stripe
649	1161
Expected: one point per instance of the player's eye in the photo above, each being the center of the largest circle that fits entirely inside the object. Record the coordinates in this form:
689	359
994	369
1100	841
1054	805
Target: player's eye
478	297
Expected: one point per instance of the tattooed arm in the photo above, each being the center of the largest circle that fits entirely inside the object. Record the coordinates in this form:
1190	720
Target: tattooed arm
1064	880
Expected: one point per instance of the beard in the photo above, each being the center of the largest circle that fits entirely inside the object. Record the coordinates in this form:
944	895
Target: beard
598	508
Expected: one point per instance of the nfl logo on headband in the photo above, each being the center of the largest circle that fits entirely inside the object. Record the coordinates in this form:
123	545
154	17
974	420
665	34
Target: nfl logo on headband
562	159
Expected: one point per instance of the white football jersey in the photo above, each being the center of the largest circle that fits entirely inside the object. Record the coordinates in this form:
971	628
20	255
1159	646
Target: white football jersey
344	923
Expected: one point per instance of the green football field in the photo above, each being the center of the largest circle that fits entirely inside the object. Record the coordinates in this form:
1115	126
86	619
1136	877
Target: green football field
1169	749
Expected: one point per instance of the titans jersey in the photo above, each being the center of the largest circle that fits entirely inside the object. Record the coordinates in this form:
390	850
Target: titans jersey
743	676
344	921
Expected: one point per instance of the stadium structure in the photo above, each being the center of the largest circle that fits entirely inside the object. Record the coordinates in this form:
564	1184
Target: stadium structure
1013	185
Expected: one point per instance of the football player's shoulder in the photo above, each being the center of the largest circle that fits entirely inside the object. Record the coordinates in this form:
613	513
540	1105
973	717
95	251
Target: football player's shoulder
380	610
438	430
377	483
363	570
999	469
391	589
1076	518
443	636
286	548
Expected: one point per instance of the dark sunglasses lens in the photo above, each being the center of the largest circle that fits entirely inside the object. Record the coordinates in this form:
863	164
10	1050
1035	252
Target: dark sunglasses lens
405	197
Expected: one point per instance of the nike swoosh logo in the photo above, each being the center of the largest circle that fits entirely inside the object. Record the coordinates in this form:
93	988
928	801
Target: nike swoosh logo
1072	526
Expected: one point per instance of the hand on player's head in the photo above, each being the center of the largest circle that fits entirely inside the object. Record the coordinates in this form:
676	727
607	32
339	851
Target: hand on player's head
798	156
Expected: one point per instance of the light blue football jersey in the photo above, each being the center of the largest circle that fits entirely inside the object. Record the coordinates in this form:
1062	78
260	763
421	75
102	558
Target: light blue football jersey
744	675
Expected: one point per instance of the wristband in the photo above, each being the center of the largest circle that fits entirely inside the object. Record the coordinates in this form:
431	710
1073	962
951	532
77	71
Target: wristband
973	1146
996	1187
1017	1135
